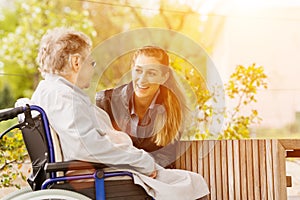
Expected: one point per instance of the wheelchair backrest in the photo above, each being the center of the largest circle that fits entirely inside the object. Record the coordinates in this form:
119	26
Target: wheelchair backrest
36	145
42	148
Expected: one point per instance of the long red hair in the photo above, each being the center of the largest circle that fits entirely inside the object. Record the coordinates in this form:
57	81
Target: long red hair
172	99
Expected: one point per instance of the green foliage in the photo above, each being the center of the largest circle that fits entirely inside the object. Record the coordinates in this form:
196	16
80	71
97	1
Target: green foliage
241	91
193	78
6	97
199	128
19	47
13	153
10	22
242	87
245	82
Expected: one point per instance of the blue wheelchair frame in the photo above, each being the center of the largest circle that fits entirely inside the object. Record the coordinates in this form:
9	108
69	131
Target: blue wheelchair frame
51	166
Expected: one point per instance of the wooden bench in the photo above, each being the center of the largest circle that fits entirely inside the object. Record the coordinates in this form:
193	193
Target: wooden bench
239	169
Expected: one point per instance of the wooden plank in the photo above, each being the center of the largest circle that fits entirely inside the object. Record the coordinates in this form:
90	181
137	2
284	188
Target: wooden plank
206	162
249	165
230	169
276	172
290	144
262	168
188	156
224	169
212	177
243	170
218	169
282	170
194	157
178	156
269	170
182	158
200	157
278	153
236	166
256	171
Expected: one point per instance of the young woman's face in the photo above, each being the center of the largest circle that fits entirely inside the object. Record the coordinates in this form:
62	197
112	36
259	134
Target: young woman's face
147	76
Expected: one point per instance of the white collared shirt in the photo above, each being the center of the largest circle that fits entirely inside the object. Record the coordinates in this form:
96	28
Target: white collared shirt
85	131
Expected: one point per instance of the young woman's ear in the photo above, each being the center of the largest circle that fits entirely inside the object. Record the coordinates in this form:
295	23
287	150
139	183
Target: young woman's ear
75	62
166	77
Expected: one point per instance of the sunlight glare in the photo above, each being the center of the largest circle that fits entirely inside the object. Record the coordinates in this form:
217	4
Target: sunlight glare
151	7
264	3
207	7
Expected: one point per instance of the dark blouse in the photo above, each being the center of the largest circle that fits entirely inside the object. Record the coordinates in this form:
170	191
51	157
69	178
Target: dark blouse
118	103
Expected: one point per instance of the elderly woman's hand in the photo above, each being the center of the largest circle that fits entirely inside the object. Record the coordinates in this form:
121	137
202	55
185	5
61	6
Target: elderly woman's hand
153	174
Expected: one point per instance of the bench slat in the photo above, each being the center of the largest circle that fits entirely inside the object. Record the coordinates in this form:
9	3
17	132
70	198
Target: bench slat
230	169
243	169
212	178
269	169
256	169
262	168
224	169
236	165
206	162
218	170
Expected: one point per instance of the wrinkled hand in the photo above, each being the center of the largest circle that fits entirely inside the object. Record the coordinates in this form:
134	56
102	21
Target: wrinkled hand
153	174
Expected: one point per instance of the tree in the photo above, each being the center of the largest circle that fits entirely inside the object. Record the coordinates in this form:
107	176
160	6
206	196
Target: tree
241	90
19	46
242	87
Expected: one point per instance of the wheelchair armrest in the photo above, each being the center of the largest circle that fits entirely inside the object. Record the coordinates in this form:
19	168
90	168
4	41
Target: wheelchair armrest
72	165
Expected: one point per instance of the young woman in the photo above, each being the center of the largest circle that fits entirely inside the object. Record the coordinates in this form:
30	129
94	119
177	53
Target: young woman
151	108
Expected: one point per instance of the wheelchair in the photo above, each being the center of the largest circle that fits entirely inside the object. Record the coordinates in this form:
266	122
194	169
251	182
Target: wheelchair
49	179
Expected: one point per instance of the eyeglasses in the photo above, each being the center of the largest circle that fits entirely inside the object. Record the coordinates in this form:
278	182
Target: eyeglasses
93	64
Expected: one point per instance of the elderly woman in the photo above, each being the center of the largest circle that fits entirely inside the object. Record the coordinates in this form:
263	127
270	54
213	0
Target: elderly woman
67	68
85	131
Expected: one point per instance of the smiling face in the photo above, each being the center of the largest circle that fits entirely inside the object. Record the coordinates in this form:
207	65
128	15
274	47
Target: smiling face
147	75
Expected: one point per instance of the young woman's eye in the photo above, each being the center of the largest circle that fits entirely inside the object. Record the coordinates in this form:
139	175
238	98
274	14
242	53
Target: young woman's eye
139	71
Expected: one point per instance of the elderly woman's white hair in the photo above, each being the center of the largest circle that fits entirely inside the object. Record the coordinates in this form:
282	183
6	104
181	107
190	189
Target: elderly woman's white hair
55	49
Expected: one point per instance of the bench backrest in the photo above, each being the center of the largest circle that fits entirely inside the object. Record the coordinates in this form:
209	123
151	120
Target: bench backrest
238	169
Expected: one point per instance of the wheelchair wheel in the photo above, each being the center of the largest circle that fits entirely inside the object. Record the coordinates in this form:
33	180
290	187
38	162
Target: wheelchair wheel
50	194
17	193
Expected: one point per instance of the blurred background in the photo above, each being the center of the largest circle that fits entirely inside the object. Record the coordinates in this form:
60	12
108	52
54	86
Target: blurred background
231	32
